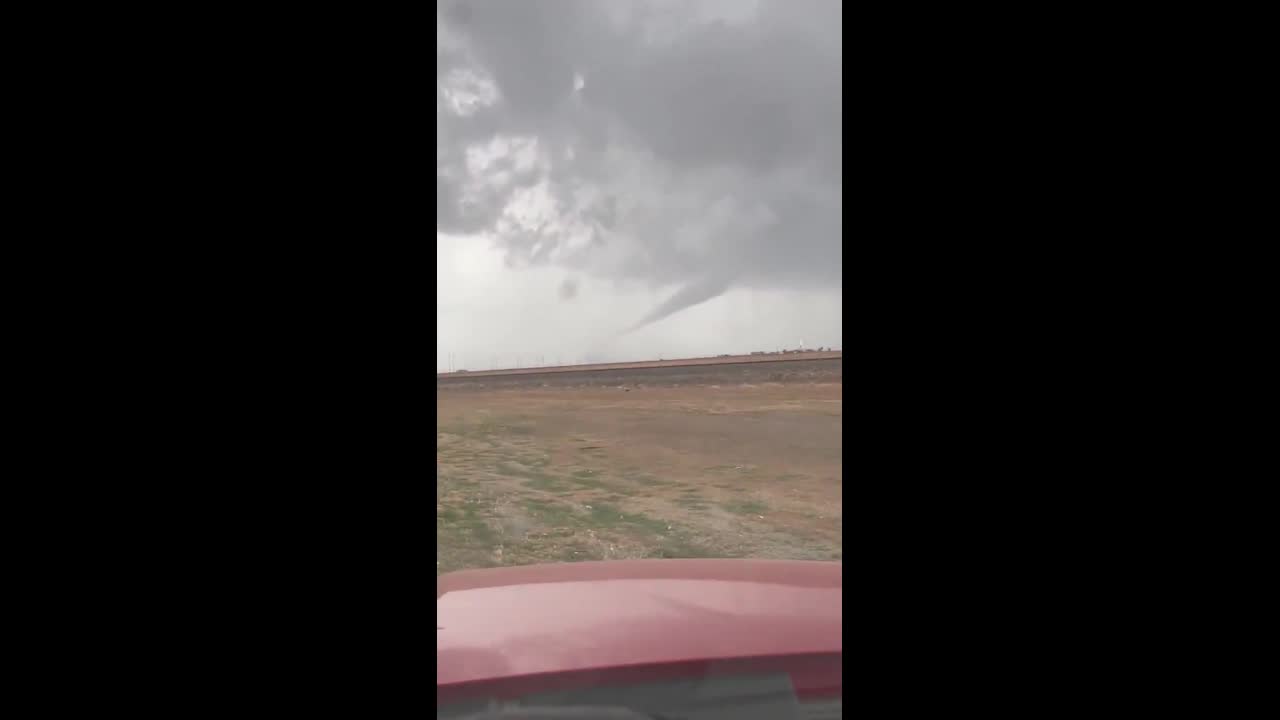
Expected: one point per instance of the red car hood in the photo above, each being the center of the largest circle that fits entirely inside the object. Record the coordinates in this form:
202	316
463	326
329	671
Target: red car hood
518	621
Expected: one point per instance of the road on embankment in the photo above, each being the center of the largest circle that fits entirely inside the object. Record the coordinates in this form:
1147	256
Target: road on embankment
798	367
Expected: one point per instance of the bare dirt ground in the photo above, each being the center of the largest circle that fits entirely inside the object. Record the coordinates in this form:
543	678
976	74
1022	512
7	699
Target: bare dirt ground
544	474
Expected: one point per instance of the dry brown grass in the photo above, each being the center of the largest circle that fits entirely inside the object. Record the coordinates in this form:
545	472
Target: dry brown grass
540	475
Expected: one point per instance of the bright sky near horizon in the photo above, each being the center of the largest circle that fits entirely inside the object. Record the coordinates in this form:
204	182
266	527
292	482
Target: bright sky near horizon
634	179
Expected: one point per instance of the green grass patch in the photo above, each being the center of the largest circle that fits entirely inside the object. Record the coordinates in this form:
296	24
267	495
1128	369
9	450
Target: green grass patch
745	507
545	482
644	479
578	553
591	479
549	512
533	478
678	548
464	538
607	516
692	502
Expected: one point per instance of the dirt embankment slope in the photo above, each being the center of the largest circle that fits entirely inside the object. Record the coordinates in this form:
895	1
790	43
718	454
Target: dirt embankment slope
809	369
683	362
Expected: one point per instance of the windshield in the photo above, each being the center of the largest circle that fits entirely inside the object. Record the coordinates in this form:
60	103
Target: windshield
639	323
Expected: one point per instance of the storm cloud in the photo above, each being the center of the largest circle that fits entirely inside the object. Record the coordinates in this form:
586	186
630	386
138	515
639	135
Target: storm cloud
692	146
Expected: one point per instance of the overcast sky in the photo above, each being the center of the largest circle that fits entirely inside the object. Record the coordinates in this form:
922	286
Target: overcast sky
627	179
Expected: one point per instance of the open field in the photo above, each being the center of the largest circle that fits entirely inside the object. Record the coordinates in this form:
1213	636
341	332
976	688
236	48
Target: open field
542	474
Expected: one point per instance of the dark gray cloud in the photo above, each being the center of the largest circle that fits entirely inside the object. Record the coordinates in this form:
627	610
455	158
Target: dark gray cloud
685	143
